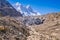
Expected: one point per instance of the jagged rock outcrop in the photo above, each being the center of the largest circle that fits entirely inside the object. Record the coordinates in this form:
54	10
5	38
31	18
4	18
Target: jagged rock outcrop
32	21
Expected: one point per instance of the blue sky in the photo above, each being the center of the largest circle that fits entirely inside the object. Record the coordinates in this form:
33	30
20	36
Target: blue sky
43	6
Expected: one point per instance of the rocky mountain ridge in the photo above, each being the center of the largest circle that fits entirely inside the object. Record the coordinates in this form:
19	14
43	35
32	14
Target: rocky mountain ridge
7	9
26	10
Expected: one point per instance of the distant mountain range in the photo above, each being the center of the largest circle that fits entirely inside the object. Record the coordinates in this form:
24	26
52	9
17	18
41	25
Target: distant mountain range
7	9
25	10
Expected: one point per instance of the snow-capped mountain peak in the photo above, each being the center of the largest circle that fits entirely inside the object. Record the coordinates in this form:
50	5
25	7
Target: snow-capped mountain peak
29	8
18	4
25	10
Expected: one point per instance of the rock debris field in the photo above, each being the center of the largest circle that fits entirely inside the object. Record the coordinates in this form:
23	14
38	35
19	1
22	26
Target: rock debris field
45	27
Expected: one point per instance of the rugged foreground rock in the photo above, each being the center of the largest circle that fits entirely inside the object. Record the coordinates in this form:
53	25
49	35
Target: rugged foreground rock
11	29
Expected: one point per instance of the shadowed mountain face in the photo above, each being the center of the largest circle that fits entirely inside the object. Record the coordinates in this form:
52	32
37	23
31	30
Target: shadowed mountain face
7	9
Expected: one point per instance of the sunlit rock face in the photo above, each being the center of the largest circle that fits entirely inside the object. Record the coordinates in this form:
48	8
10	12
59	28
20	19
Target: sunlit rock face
7	9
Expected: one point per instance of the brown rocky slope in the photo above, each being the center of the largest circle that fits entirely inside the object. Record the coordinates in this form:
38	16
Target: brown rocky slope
11	29
49	30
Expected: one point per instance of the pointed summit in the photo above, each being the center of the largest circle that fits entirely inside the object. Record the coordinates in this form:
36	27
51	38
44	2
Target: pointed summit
26	10
7	9
29	8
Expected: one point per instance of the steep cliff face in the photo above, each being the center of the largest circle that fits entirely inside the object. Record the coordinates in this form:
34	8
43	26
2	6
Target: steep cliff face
7	9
